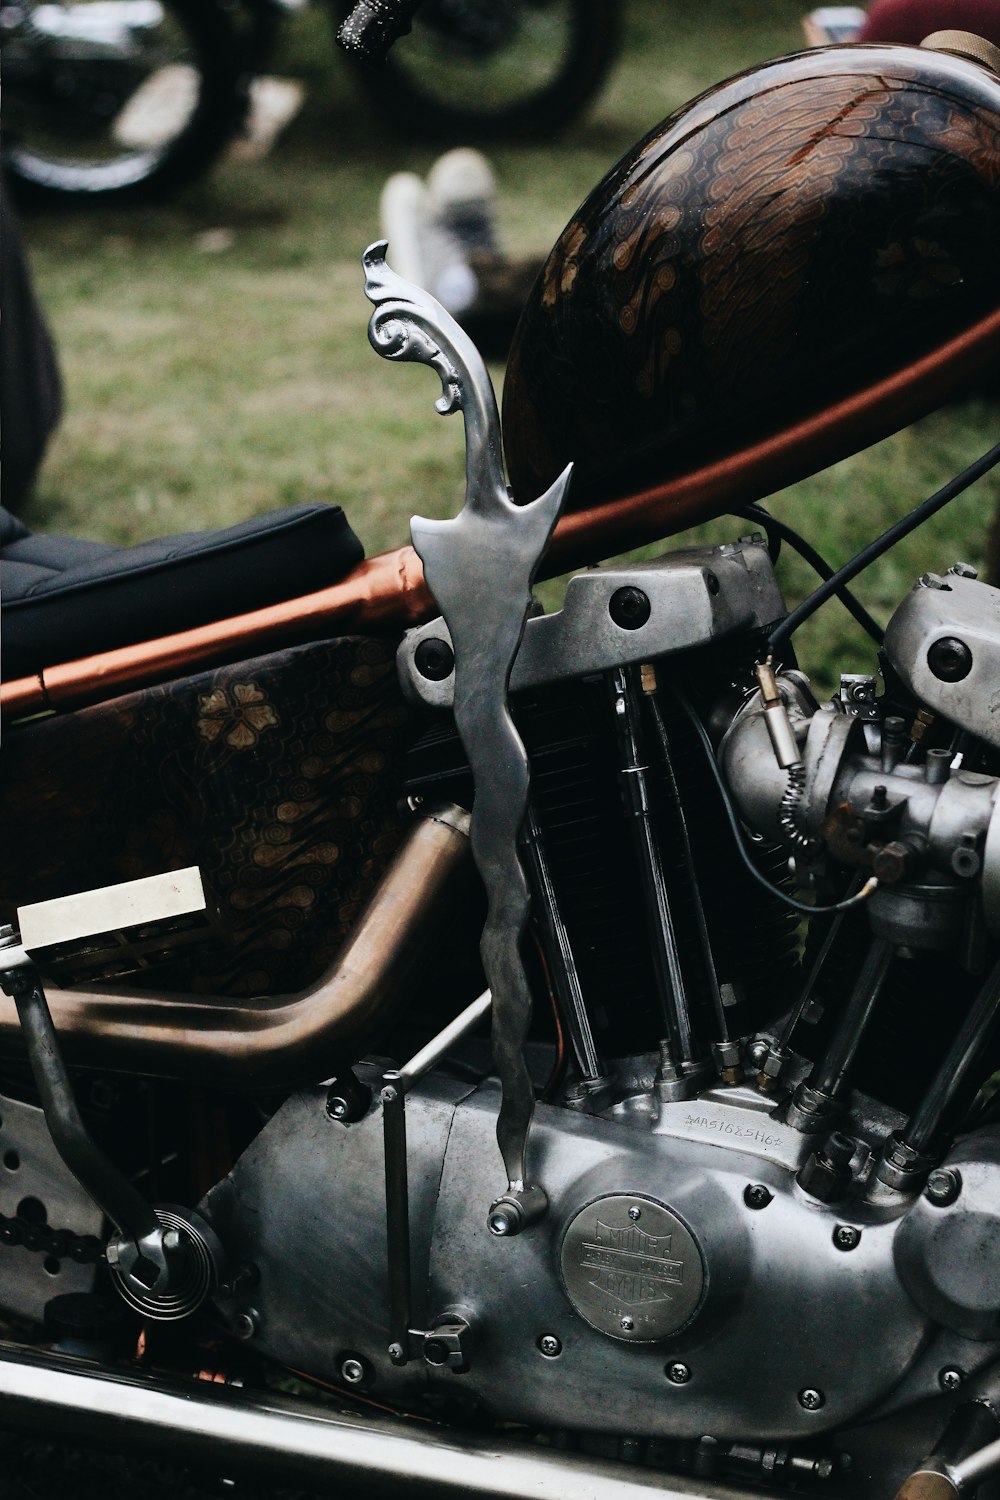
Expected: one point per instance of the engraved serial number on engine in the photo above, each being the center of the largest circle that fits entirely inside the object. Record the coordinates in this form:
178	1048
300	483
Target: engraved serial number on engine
732	1128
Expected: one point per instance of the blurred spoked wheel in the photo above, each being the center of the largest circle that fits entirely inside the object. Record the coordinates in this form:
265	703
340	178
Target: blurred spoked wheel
117	98
478	70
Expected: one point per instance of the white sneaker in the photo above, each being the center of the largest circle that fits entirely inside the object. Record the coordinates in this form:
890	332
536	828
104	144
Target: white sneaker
403	216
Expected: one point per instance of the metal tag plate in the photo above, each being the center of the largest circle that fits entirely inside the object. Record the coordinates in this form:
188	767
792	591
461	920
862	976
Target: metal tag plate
632	1268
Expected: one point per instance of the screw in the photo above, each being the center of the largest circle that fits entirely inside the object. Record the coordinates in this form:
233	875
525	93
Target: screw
501	1222
678	1373
629	608
627	1323
434	659
336	1107
949	659
549	1345
943	1187
846	1237
950	1378
811	1399
396	1354
756	1195
245	1325
635	1214
352	1371
171	1241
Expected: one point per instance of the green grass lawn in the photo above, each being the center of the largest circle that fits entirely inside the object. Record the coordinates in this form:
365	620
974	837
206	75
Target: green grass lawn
205	387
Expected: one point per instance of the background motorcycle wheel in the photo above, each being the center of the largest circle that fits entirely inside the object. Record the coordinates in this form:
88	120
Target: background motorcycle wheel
145	107
479	70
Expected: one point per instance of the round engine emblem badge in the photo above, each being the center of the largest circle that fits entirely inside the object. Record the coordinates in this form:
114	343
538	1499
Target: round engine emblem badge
632	1268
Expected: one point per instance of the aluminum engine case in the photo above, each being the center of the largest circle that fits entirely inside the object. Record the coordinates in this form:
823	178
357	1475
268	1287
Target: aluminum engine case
783	1308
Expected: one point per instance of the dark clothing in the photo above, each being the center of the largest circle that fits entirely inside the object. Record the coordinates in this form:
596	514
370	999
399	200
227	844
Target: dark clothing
30	388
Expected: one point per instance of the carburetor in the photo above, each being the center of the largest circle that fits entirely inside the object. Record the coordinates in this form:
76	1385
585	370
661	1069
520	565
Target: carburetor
850	786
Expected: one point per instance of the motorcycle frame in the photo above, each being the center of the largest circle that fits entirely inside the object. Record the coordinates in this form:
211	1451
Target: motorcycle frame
387	594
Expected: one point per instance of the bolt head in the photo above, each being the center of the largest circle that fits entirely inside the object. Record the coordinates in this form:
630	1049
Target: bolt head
629	608
635	1214
943	1187
352	1371
336	1107
549	1345
396	1354
678	1373
846	1237
811	1399
949	659
434	659
500	1222
112	1254
627	1323
950	1378
756	1195
171	1241
244	1325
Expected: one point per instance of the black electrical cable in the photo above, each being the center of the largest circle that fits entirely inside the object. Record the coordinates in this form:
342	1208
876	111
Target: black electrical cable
737	832
875	549
816	561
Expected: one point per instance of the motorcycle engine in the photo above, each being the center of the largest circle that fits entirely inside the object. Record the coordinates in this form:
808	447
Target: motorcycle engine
740	1242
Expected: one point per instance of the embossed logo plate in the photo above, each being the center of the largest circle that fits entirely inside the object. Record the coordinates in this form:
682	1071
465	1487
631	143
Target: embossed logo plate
632	1268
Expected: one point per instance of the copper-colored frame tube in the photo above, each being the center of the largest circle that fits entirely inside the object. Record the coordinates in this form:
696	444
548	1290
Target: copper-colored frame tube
388	592
278	1041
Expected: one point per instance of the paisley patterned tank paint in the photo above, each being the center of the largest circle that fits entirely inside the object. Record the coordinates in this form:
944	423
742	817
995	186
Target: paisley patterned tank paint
790	238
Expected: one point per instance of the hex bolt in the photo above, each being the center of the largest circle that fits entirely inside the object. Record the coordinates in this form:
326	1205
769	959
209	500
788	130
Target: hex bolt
846	1237
756	1195
245	1324
949	659
963	570
502	1221
629	608
678	1373
549	1345
627	1323
112	1254
434	659
635	1214
943	1186
811	1399
352	1371
950	1378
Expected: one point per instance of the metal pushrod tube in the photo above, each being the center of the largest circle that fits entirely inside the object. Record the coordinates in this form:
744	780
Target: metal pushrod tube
396	1084
663	934
265	1433
931	1116
565	976
830	1072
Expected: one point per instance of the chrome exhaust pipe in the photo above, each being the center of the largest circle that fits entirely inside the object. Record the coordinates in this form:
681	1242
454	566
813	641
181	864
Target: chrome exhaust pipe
228	1429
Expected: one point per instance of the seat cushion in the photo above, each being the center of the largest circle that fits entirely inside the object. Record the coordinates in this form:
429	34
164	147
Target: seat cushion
63	598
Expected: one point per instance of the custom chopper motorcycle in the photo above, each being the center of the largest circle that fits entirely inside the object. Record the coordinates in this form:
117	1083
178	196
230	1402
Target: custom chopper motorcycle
716	1209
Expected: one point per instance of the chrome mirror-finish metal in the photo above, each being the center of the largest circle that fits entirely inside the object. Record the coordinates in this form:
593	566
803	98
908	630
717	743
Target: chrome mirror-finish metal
480	566
277	1435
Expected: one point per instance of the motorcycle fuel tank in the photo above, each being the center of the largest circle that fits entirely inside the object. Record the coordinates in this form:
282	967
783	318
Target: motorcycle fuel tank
789	268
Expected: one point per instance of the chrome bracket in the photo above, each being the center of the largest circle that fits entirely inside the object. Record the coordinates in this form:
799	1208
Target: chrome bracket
479	567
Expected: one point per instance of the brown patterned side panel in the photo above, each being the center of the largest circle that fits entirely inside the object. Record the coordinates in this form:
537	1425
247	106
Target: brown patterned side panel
280	777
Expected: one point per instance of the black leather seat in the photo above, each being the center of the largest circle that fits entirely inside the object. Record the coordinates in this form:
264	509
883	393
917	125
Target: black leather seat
63	598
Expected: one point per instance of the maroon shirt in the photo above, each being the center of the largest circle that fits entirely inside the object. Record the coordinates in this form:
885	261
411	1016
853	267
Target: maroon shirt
912	20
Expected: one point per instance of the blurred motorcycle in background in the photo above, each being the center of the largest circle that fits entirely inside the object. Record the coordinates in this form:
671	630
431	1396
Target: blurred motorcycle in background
133	98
